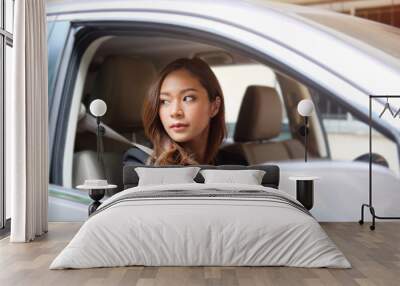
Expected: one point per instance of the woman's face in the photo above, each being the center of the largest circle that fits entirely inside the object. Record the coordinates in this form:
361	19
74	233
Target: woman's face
185	110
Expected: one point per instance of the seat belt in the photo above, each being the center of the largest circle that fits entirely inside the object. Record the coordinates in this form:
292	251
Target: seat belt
88	122
136	155
145	149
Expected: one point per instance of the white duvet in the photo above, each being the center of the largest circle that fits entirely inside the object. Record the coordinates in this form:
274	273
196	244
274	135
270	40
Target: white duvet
182	231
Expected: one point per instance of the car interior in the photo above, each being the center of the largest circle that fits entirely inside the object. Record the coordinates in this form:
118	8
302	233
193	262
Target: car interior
121	72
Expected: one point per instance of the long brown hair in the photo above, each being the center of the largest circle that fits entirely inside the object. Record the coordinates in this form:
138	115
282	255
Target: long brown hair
165	150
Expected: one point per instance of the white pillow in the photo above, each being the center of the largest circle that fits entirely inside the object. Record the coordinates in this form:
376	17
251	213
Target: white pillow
162	176
248	177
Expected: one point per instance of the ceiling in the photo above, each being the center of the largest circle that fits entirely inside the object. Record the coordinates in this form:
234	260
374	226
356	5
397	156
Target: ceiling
347	6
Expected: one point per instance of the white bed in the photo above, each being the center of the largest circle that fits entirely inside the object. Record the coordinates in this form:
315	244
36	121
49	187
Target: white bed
250	225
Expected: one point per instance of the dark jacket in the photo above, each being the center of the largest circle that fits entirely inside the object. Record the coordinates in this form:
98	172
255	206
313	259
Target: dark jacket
137	156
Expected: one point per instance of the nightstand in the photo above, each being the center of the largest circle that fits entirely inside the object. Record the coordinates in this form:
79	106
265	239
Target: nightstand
305	190
96	190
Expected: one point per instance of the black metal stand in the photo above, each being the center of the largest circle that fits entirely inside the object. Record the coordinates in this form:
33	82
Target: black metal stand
96	195
99	140
305	138
371	208
305	193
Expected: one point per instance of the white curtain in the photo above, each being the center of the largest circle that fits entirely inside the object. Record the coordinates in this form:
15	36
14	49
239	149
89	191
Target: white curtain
27	124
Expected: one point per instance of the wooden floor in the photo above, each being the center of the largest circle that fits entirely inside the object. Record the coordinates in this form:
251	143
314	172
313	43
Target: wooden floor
374	255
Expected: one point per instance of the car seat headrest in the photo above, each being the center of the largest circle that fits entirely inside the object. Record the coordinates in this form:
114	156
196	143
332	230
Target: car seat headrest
260	115
123	82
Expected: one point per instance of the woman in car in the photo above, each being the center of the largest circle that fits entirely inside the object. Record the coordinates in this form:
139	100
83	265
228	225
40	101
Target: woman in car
183	114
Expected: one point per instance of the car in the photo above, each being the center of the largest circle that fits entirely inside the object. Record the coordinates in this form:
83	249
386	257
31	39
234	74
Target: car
112	50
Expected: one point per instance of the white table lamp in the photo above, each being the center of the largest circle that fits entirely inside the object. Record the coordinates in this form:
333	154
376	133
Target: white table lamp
98	107
305	109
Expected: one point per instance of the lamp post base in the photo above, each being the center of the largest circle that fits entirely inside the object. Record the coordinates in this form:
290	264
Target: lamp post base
96	195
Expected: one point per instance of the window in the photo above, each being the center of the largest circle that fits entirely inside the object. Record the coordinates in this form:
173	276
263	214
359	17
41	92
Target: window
234	80
6	43
348	137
